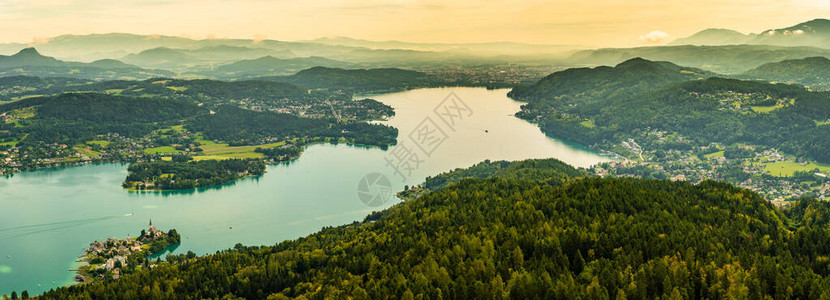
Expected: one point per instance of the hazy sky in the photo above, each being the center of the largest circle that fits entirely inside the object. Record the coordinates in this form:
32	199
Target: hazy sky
584	22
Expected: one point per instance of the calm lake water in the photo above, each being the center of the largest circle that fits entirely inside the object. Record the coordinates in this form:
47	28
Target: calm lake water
48	216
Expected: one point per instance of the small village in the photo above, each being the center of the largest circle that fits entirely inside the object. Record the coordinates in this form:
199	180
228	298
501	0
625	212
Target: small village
115	257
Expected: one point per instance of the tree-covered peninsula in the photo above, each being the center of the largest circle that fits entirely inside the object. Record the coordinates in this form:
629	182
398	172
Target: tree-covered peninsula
177	175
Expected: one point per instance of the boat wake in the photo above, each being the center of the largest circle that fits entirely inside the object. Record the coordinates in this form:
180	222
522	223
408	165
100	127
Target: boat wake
18	231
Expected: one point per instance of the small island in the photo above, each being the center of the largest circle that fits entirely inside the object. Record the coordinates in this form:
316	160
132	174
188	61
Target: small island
115	257
183	174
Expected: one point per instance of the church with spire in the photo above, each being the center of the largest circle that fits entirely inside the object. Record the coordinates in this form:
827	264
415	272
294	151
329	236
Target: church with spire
152	232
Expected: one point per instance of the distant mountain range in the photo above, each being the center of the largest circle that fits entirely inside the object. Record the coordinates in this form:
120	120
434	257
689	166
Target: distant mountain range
182	59
30	62
732	59
814	33
139	56
490	48
182	54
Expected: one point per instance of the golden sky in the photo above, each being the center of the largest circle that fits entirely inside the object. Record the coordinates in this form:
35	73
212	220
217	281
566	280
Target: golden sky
582	22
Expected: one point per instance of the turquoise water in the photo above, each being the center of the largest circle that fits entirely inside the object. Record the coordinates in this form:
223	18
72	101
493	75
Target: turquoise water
48	216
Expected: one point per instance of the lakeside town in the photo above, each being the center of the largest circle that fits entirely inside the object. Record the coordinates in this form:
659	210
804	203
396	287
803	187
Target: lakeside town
662	155
115	257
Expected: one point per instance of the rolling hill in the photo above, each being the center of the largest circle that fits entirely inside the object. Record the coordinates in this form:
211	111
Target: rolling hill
650	96
813	72
627	78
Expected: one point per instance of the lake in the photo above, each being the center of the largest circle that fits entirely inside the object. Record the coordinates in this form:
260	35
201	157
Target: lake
48	216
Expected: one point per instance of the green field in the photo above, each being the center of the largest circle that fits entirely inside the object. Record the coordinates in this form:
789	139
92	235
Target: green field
788	168
161	150
245	155
765	109
178	88
22	113
25	97
213	150
822	123
101	143
588	123
714	155
167	131
84	149
114	91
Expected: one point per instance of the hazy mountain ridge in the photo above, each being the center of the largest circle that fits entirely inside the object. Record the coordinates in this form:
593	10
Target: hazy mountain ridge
714	37
356	79
269	66
492	48
30	62
813	33
206	53
185	59
813	72
730	59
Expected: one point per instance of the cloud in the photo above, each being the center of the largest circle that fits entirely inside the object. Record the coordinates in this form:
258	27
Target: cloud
794	32
655	37
39	41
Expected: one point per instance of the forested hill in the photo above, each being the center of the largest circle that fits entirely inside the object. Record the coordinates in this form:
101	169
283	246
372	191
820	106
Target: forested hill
591	107
78	117
502	238
813	72
549	170
625	79
200	90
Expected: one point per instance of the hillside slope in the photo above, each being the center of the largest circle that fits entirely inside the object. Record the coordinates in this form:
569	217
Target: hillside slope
578	85
500	238
592	106
813	72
